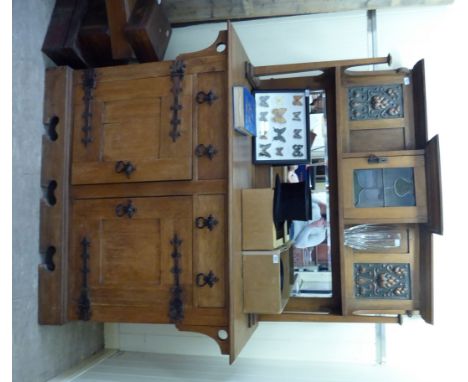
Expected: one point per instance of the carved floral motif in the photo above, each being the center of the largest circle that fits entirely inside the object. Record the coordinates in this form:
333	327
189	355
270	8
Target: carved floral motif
375	102
383	281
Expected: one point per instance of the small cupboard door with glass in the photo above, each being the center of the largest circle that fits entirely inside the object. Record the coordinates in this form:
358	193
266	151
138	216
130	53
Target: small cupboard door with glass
386	187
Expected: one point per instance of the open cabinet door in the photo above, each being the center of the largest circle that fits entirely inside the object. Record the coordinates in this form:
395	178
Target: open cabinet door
241	173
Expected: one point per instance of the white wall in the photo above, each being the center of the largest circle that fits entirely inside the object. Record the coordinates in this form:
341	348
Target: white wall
437	34
284	40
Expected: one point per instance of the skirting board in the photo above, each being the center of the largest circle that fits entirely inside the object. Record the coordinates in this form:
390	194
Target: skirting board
81	368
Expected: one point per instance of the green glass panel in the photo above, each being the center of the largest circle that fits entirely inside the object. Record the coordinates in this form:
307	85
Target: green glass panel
368	188
384	187
399	187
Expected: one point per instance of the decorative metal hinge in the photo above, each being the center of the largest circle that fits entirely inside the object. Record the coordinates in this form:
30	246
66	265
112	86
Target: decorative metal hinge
84	304
177	74
89	84
176	305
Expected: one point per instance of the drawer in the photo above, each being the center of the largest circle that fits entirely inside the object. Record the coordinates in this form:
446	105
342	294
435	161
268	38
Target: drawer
210	147
209	251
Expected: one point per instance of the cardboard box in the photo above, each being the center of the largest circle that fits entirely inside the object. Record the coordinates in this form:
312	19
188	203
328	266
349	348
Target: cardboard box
258	230
267	280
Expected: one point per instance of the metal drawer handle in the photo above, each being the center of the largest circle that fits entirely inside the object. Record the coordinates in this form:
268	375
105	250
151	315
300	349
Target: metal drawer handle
127	209
210	279
373	159
206	97
210	151
210	222
124	167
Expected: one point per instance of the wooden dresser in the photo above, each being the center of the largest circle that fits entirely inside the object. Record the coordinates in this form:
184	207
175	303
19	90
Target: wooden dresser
142	177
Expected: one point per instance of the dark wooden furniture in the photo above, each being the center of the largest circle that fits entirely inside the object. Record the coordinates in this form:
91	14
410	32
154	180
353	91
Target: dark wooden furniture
99	33
143	173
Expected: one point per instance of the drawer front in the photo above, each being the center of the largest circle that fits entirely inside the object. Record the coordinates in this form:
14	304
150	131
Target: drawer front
212	125
210	251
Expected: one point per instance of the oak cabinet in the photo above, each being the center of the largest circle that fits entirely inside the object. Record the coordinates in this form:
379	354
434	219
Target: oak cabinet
143	173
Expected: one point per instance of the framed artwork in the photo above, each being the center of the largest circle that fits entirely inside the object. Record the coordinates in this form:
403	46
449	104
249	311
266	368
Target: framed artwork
282	119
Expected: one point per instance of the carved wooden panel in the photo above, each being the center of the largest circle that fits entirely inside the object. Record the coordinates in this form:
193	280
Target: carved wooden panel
375	102
382	281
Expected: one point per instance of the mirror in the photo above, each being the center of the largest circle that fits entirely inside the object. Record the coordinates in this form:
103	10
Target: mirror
311	248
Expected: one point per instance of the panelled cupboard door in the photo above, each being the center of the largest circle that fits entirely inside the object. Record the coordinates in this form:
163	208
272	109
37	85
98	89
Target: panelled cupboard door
130	264
384	280
384	188
122	128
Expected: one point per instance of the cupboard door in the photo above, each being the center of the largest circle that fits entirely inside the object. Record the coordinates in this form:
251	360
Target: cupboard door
130	264
383	280
383	188
377	111
123	130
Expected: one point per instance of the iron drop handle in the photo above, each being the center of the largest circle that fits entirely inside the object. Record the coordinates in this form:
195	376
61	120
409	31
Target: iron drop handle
210	279
210	151
210	222
203	97
127	209
374	159
124	167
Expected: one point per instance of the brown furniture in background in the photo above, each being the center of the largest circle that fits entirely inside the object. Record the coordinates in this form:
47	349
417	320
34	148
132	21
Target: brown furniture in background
143	175
96	33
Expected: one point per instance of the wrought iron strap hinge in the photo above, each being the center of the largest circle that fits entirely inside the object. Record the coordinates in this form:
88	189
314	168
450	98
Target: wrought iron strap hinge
176	305
177	75
89	84
84	304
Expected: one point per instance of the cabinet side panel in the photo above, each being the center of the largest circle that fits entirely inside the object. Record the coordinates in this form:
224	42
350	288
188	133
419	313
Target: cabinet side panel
54	207
240	176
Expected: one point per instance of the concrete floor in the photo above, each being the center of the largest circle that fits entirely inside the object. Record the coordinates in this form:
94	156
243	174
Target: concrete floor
39	352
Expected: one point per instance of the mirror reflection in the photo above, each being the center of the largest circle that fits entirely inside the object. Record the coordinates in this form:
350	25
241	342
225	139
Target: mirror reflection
311	239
